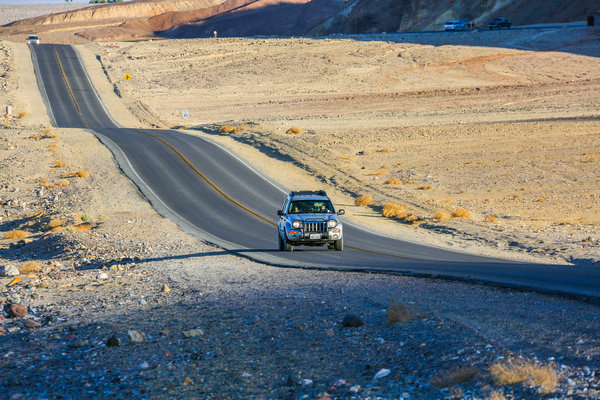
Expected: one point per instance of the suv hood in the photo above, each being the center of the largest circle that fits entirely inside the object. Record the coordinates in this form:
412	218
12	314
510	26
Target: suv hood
308	217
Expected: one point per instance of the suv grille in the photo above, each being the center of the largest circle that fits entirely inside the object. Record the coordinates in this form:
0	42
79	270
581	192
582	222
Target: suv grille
315	226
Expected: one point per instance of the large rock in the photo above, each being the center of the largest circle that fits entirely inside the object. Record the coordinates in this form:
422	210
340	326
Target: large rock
9	270
136	337
15	310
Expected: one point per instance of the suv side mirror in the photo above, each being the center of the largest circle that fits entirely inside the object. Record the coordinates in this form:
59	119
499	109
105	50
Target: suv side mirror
279	212
341	212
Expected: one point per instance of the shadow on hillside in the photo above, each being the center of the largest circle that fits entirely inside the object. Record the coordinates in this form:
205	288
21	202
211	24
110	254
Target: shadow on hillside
287	20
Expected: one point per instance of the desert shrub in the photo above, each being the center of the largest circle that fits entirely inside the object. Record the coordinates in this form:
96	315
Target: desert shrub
30	267
42	180
54	223
47	131
394	210
36	214
63	183
85	218
425	187
393	181
442	216
16	234
384	150
80	174
496	395
347	158
516	197
491	218
83	227
461	213
58	229
454	376
378	173
53	146
22	114
60	164
513	372
294	130
232	128
397	312
364	200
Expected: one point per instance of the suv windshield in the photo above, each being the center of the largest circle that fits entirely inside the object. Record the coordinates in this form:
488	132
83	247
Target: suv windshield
310	207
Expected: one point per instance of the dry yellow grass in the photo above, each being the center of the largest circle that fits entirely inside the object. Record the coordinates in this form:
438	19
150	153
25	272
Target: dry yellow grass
16	234
60	164
30	267
294	130
461	213
36	214
513	372
80	174
491	218
378	173
394	210
58	229
393	181
442	216
454	376
364	200
54	223
42	180
22	114
397	312
232	128
496	395
63	183
50	186
425	187
83	227
516	197
47	131
53	146
384	150
347	158
448	201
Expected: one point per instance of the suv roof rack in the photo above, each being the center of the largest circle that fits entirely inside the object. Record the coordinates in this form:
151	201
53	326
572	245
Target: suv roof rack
295	193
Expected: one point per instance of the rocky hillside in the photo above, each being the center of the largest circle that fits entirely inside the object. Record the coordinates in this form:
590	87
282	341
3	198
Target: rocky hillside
365	16
144	19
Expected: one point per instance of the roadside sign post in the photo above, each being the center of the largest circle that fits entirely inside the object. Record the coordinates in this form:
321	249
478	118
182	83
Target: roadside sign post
185	114
127	77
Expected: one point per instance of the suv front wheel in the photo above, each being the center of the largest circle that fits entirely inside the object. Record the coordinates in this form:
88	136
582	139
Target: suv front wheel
284	245
338	245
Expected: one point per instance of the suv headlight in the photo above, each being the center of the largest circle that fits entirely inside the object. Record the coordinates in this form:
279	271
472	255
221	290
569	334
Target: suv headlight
297	224
332	223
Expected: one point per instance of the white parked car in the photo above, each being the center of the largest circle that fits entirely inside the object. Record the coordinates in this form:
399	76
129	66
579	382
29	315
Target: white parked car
458	25
33	39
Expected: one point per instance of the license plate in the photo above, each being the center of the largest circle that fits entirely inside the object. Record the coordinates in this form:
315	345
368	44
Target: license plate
315	236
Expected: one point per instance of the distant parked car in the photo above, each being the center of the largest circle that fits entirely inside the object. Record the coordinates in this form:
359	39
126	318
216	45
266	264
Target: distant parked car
33	39
499	23
458	25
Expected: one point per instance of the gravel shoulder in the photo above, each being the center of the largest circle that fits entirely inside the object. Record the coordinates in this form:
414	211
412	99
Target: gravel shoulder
219	326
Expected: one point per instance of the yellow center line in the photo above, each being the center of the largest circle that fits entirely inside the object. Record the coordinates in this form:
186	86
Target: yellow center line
69	87
205	179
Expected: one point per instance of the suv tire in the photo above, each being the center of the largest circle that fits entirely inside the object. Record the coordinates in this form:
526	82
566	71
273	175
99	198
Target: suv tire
339	245
286	245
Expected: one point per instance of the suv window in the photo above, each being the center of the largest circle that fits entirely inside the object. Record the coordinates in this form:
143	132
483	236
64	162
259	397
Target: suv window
310	207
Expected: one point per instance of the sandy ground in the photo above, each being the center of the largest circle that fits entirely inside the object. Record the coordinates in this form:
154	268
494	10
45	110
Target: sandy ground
278	333
497	130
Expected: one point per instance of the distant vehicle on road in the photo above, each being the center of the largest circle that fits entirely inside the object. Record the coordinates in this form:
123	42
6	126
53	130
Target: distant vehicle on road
308	218
33	39
499	23
458	25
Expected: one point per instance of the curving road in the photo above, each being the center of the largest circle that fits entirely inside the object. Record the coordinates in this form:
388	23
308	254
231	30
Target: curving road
210	192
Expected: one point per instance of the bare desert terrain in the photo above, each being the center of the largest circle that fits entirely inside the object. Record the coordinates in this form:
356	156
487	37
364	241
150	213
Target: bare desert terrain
120	303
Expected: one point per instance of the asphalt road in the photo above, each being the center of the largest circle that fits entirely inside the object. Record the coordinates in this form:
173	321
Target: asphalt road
211	193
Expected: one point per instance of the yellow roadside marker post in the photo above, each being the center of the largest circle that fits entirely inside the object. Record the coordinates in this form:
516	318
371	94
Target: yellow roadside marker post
127	77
